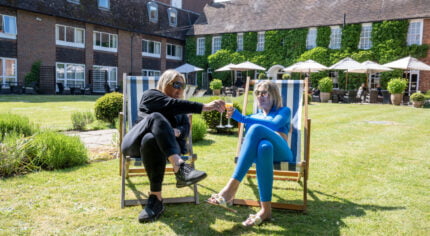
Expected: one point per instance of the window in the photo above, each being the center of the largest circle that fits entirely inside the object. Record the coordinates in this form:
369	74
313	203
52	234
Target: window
7	26
335	37
260	41
174	52
7	71
365	36
200	46
151	48
415	32
375	79
176	3
155	73
103	4
112	75
240	42
152	12
173	17
311	39
74	1
105	41
69	36
216	44
70	75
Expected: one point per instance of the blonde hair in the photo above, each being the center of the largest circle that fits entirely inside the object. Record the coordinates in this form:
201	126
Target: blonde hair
273	91
167	77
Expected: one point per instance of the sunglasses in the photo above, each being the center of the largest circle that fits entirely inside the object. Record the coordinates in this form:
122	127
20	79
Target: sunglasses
262	93
177	85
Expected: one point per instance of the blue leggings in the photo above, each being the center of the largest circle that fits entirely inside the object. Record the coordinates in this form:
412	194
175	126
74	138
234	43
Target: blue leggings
262	146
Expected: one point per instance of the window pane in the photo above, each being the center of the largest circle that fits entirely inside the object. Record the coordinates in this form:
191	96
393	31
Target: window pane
105	40
60	71
114	41
97	39
10	67
1	24
70	34
104	3
151	47
10	24
79	36
1	67
144	46
157	48
61	33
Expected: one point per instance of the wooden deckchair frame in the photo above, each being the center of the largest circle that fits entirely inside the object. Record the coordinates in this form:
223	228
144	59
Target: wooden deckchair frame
301	175
124	161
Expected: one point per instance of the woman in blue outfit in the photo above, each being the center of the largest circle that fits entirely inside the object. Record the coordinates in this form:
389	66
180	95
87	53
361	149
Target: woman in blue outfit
265	142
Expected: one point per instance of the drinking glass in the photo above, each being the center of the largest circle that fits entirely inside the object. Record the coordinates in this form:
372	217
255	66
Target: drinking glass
220	126
228	105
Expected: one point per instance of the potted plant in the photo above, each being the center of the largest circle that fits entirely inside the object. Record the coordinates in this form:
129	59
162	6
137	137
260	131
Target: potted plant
418	99
325	85
216	85
396	87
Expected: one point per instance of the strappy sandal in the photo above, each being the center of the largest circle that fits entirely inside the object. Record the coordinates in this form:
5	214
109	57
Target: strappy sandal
220	201
254	220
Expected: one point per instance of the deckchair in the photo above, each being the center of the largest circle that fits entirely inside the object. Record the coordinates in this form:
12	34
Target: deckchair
133	87
292	96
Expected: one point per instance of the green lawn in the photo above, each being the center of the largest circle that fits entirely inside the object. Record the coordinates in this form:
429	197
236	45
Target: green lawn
369	175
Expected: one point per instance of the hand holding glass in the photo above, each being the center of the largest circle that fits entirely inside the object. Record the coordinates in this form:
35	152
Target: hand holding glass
229	107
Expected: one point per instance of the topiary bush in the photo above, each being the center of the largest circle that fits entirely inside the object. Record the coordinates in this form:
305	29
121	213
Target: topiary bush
325	85
215	84
50	150
212	118
11	123
108	106
199	128
81	119
397	85
417	97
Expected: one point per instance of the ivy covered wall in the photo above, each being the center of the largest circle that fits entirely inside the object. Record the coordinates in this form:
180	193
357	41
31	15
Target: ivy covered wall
286	47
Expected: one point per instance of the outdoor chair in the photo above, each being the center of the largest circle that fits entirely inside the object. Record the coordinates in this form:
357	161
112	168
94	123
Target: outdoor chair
297	171
133	87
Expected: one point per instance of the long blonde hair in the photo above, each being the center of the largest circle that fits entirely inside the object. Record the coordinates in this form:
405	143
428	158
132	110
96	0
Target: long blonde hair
273	90
167	77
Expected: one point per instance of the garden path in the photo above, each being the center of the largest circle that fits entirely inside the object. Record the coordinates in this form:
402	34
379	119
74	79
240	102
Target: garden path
100	143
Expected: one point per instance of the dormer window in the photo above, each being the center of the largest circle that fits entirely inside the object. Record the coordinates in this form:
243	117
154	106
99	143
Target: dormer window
152	12
103	4
173	17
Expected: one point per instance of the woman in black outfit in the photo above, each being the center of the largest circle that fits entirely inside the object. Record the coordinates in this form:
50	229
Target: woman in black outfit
157	137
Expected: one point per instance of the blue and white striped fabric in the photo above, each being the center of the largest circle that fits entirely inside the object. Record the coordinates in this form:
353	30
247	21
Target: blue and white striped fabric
292	97
135	86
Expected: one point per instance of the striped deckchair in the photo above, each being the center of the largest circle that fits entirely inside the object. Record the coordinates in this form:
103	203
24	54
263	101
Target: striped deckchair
292	96
134	86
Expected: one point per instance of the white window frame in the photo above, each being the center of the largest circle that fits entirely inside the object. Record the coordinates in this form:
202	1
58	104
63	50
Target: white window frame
64	42
65	81
176	47
74	1
152	7
9	35
311	38
172	13
239	42
113	42
260	41
10	78
216	43
112	74
149	72
335	37
101	5
176	3
201	46
415	37
157	48
365	36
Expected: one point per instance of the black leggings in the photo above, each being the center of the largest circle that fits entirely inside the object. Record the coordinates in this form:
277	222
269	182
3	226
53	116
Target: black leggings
156	141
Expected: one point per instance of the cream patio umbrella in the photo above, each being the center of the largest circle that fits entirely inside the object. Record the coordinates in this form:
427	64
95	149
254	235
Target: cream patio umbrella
227	68
370	67
188	68
347	64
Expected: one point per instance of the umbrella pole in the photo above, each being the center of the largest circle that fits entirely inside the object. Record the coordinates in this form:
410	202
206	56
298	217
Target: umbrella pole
346	81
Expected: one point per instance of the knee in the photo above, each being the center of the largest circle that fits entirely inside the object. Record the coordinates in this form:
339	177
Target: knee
265	146
157	116
148	140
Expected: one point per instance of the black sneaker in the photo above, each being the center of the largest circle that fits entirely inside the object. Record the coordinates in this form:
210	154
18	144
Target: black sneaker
153	209
187	175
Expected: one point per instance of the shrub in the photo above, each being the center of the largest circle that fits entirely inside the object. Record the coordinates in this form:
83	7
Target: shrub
396	85
286	76
262	76
215	84
10	123
34	74
13	160
417	97
325	85
212	118
199	128
108	107
51	150
81	119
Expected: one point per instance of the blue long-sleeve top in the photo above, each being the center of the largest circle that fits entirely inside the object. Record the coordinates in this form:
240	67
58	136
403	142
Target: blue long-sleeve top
277	119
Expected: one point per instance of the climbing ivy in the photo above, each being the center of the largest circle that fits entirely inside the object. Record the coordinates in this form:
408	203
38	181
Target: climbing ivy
323	36
229	42
250	41
350	37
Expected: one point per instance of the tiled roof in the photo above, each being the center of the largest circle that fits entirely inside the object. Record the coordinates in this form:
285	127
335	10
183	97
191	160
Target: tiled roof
261	15
130	15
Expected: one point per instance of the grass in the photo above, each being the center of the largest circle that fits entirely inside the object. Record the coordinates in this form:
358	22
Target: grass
369	175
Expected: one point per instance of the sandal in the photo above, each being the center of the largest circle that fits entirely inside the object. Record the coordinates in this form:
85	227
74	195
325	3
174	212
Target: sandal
254	220
220	201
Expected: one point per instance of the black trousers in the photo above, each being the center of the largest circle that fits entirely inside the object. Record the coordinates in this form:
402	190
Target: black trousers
152	139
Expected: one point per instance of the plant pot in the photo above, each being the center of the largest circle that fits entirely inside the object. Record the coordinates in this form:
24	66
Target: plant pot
324	96
216	91
396	98
418	104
